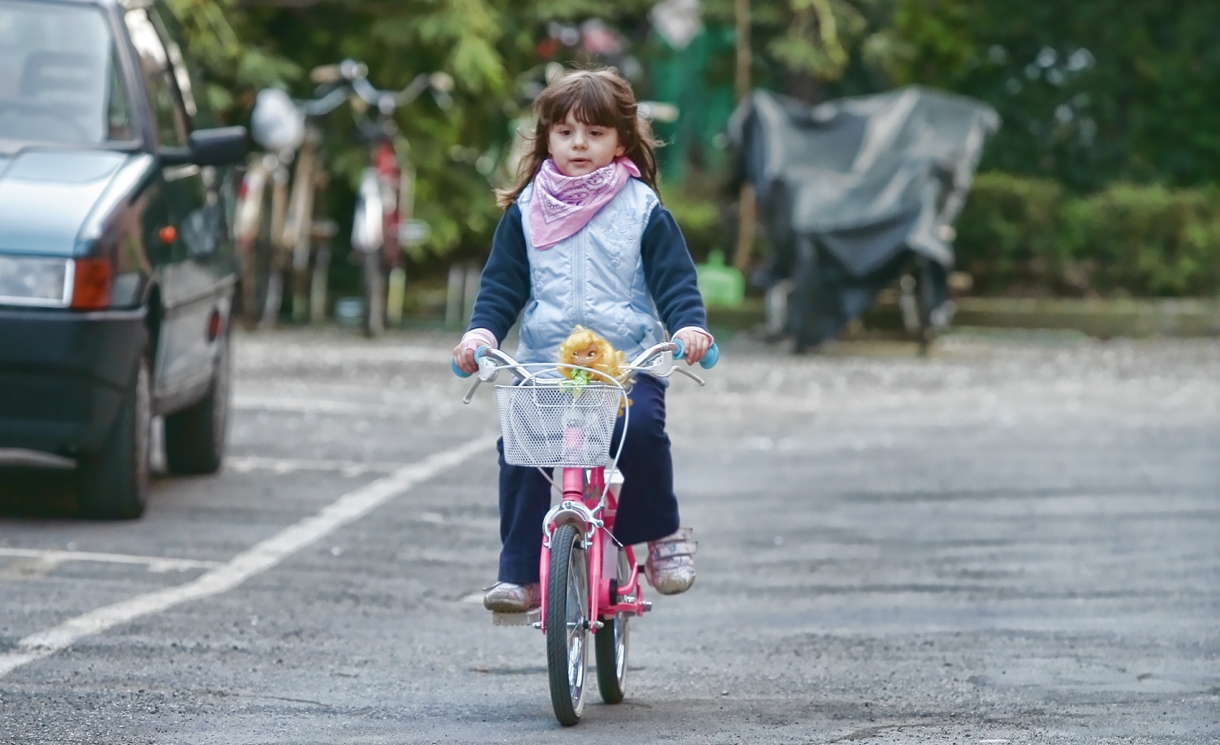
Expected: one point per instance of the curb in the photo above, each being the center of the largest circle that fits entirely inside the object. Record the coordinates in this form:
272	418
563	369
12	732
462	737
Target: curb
1104	319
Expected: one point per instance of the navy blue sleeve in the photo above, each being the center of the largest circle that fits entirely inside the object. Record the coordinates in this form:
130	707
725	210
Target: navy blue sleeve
505	285
670	273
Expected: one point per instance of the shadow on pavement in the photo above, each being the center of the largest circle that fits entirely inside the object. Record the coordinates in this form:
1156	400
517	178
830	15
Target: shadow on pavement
29	491
37	492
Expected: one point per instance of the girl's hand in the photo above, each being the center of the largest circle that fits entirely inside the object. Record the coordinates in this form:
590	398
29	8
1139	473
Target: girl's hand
463	356
695	342
463	353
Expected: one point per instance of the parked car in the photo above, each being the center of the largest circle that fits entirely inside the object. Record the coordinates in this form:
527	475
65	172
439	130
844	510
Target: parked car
116	264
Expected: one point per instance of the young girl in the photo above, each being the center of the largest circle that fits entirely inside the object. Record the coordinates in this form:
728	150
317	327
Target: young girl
584	240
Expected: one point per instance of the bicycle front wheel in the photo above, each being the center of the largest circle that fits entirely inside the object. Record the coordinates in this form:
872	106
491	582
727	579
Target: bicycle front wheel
374	294
567	624
610	644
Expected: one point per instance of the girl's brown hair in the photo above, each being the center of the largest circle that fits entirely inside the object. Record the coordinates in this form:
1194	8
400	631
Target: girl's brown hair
599	97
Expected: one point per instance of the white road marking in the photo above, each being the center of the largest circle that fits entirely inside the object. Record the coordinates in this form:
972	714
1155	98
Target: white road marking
263	556
276	355
314	406
247	463
154	563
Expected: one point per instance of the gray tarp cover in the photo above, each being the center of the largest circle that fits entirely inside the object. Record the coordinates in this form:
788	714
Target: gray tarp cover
867	182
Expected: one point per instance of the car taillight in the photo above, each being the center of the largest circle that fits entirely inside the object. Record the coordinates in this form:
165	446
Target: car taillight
91	283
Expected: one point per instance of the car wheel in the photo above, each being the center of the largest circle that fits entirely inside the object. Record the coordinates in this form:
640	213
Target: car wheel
113	483
195	437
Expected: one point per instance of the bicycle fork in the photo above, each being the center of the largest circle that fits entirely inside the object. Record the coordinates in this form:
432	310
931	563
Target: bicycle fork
608	596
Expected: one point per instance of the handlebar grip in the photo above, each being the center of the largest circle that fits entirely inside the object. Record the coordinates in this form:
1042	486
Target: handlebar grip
709	357
478	355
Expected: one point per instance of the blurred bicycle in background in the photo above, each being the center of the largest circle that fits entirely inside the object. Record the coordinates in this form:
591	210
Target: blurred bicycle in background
383	224
276	221
276	228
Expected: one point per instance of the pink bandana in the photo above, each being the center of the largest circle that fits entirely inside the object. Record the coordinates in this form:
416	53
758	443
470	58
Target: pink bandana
562	205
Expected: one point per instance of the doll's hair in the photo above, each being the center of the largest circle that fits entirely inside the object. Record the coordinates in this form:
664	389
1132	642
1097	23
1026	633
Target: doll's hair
595	97
609	362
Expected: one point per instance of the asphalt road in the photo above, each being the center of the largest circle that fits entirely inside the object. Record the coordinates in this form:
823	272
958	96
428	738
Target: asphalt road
1015	540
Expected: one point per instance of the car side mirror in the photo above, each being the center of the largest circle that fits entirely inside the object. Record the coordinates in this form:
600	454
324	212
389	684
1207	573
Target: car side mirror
221	146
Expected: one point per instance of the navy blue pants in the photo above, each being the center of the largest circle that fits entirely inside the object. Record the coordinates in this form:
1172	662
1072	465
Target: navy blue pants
647	507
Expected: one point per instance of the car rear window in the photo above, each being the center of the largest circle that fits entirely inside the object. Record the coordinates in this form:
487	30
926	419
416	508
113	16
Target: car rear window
58	79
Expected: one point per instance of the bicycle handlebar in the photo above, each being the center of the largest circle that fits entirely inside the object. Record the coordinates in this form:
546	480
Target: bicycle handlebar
642	362
325	104
354	77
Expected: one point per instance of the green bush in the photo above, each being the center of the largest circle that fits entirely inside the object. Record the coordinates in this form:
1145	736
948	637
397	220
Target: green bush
1148	240
1020	236
1009	234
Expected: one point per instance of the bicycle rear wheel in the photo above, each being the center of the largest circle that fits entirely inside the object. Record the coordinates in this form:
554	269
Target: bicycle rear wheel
610	644
567	622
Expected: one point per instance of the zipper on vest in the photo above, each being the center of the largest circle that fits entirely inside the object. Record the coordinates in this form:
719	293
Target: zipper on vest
578	278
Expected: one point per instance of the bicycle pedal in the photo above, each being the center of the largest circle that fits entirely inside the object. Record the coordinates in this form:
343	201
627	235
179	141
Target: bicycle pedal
516	619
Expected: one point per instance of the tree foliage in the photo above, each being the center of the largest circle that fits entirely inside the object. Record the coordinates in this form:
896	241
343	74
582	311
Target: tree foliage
487	46
220	36
1090	92
811	40
491	49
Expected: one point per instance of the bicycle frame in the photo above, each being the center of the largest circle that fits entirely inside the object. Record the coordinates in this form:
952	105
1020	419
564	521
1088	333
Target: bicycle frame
261	295
294	180
583	501
389	174
383	198
380	210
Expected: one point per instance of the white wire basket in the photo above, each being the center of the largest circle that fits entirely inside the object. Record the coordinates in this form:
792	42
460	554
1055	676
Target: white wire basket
553	424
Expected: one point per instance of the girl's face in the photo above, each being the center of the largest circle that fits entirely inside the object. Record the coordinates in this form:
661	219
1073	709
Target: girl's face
578	149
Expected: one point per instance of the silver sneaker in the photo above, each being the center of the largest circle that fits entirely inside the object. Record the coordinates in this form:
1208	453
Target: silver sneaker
505	597
670	567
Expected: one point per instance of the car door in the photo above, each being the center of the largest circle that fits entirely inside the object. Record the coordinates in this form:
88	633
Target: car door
183	232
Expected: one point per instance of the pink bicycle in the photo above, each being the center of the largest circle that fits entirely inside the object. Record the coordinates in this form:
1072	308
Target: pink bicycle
591	582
